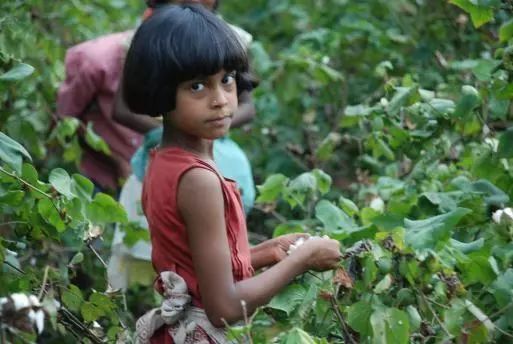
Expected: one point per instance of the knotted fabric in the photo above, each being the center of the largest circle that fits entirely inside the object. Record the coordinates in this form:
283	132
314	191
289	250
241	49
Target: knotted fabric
185	321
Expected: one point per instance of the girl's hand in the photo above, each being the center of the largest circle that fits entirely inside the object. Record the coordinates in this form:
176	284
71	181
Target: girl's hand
319	255
281	244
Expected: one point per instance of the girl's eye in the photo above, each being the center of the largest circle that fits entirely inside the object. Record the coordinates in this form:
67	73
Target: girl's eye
229	78
197	87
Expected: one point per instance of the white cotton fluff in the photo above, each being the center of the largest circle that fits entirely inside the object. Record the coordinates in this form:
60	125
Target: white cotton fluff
40	321
302	240
34	301
377	204
20	301
503	216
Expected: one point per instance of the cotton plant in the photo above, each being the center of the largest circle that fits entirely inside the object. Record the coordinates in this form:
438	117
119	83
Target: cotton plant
22	312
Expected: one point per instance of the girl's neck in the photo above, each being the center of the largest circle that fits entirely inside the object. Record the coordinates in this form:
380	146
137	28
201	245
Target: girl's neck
201	147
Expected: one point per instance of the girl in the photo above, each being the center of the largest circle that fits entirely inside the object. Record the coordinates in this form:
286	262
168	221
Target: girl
186	65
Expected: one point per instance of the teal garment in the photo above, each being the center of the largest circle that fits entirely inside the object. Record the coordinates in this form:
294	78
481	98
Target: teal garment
229	157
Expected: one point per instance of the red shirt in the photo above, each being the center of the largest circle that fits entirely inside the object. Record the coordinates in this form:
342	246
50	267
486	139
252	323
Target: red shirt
170	249
93	71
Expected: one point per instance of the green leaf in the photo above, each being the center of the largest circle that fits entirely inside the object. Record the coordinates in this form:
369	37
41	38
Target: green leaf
48	211
325	149
95	141
480	15
404	96
506	31
77	259
104	209
323	180
505	148
333	218
272	188
384	284
29	174
18	72
502	288
297	336
469	100
288	299
12	197
414	317
72	298
453	317
358	316
91	312
432	232
61	181
348	206
469	247
390	325
82	187
288	228
484	69
66	128
12	153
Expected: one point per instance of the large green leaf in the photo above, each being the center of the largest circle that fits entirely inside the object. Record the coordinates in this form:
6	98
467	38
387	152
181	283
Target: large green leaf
503	288
432	232
333	218
18	72
505	149
12	153
61	181
480	14
272	188
288	299
297	336
390	326
104	209
506	31
358	317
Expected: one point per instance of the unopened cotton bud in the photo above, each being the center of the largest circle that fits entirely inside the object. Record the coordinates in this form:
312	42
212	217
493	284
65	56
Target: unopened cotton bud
20	301
378	204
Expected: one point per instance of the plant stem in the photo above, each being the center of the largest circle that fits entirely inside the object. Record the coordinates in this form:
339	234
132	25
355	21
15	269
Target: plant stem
428	304
24	182
348	338
45	278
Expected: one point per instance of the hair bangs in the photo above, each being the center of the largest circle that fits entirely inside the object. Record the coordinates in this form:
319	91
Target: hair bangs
206	46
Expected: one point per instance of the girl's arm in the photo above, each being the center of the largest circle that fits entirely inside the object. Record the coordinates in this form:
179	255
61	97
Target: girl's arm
200	201
274	250
137	122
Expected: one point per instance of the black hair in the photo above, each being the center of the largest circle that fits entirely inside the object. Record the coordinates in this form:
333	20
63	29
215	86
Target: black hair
176	44
156	3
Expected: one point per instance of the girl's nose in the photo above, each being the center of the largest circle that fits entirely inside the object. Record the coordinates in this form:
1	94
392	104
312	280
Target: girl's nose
219	97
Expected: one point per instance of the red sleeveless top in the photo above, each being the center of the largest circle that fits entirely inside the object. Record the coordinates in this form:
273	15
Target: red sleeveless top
170	249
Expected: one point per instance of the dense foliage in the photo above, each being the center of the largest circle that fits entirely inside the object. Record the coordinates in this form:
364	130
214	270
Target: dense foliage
383	124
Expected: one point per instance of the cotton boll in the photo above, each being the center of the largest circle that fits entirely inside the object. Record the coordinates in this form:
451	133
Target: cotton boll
378	204
507	214
40	321
34	301
20	301
496	216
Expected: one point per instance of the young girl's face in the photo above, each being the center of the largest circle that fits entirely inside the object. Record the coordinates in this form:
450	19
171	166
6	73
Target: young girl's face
205	106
